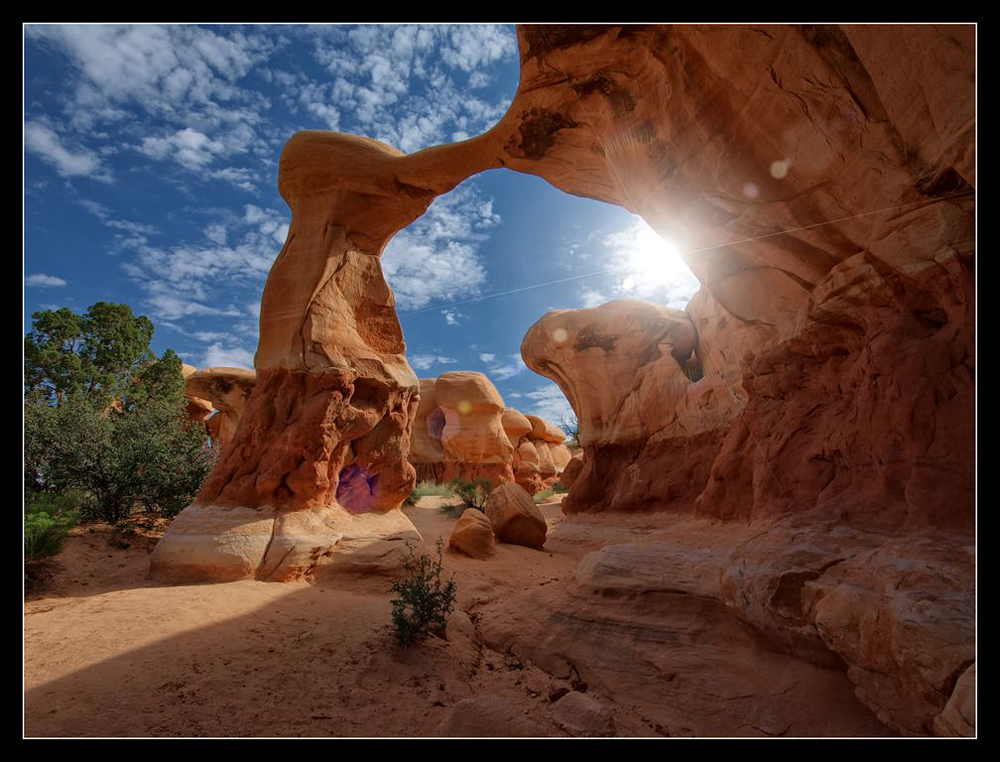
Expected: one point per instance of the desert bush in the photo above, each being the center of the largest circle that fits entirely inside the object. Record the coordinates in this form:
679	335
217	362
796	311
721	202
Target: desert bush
424	602
428	489
48	517
473	493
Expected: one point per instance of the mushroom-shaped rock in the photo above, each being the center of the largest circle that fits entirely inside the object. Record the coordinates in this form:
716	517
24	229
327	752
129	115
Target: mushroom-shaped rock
227	389
516	425
473	432
473	534
197	409
459	430
630	370
515	517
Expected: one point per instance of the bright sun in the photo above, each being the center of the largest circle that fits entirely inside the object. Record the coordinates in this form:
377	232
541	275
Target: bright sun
651	263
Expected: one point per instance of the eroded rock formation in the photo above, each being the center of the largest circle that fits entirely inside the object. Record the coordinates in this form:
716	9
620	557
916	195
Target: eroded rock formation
823	188
225	390
821	179
649	417
458	431
318	459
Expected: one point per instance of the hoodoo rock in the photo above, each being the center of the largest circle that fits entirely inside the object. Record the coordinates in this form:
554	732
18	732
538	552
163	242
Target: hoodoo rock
317	464
813	407
458	430
650	419
227	391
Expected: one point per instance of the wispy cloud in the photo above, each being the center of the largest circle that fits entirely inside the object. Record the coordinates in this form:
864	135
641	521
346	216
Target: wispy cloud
426	362
550	403
452	317
592	298
437	256
218	356
44	281
411	86
68	162
504	370
487	356
204	279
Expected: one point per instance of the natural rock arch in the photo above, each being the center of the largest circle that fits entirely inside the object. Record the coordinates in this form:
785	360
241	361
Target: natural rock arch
676	124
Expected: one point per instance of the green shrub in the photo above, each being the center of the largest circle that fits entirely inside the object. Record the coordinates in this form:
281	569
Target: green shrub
555	489
48	517
424	603
473	493
428	489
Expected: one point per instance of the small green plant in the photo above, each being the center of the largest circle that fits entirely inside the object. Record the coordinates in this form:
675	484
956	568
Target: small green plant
424	602
428	489
473	493
48	517
555	489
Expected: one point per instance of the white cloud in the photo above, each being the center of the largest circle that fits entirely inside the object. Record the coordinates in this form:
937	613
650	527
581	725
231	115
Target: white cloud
44	281
218	356
43	141
189	148
551	404
168	71
437	257
451	317
425	362
509	369
409	86
592	298
487	356
204	280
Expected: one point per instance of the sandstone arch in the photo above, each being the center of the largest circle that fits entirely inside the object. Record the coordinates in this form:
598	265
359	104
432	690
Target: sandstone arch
675	124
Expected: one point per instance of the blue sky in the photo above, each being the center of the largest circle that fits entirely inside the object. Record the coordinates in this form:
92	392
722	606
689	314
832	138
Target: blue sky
150	178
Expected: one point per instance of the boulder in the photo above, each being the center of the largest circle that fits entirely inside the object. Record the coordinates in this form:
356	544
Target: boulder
473	534
515	517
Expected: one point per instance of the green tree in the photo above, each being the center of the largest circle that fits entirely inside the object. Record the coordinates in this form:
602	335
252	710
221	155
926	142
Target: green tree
110	423
96	352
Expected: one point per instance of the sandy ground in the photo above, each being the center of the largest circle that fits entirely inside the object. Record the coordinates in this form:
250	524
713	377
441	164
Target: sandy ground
110	654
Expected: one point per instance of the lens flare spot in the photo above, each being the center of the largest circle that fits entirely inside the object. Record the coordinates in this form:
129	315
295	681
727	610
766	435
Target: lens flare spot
779	169
629	283
464	407
751	190
559	335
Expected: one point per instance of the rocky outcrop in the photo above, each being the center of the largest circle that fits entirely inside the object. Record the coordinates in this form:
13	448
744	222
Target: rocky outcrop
648	414
824	190
540	456
458	430
226	390
319	456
